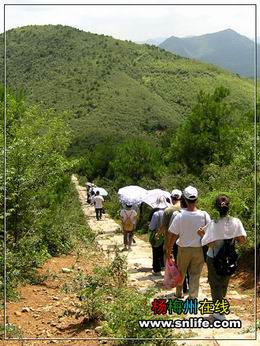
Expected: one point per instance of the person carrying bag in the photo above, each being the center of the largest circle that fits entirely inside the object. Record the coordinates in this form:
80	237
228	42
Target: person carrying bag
128	217
220	236
172	276
155	240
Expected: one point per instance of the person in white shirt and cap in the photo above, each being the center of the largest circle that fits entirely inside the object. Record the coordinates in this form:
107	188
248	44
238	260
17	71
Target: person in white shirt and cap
190	254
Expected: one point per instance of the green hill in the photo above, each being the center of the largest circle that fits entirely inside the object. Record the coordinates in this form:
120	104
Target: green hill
112	88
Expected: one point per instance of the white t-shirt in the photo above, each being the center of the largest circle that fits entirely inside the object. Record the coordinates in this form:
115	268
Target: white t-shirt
225	228
128	213
98	200
186	225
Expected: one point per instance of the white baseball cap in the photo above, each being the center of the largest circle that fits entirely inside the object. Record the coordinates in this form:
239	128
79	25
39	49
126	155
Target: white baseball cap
191	193
176	193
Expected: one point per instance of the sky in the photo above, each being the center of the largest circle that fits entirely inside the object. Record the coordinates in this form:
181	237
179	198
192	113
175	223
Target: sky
135	23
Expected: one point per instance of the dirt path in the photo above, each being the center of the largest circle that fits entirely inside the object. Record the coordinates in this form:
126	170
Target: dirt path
140	277
40	311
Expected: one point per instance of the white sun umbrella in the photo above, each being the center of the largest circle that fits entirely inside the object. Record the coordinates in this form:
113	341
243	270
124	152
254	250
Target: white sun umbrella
131	194
102	191
152	196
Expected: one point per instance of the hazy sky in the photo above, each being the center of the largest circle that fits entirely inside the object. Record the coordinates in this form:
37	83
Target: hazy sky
135	23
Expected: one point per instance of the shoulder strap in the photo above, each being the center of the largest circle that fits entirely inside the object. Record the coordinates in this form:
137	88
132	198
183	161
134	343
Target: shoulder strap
128	216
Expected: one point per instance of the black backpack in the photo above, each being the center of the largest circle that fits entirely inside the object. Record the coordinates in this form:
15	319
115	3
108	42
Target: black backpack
225	262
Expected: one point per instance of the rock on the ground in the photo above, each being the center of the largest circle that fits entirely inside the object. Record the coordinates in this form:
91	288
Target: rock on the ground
66	270
98	329
25	309
18	313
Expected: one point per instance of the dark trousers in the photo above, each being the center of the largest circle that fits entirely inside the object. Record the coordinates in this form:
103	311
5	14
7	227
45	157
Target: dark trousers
158	258
98	213
218	283
186	280
128	238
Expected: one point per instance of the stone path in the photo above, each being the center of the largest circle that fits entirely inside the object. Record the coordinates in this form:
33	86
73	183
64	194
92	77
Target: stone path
139	272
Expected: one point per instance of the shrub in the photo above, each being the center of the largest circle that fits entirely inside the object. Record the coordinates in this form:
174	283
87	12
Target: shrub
105	297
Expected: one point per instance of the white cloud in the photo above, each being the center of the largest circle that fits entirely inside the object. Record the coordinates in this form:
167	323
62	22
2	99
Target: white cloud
136	22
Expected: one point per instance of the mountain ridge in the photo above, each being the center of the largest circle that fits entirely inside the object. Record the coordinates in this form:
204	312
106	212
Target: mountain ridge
217	48
112	88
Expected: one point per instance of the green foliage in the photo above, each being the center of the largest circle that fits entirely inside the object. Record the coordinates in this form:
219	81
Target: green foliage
12	331
100	159
134	160
104	297
36	143
112	88
208	134
118	269
43	212
63	224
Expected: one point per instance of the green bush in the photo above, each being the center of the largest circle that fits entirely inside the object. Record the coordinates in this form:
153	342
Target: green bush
105	297
44	216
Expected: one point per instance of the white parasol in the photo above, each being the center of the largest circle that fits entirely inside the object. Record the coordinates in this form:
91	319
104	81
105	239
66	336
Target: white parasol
131	194
153	196
102	191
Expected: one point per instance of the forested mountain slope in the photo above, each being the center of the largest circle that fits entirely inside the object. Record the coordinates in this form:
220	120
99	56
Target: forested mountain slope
111	87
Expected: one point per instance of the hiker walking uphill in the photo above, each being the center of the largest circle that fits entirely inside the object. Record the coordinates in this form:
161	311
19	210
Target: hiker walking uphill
128	217
178	204
190	254
98	202
157	242
167	215
220	236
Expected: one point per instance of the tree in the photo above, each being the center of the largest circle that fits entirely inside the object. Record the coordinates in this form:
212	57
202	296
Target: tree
136	159
208	134
36	143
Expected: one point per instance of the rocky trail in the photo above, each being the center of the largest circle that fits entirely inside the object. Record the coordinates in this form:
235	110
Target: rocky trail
140	276
39	312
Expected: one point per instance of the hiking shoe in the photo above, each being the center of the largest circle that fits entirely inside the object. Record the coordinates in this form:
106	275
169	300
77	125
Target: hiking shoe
177	297
125	249
156	273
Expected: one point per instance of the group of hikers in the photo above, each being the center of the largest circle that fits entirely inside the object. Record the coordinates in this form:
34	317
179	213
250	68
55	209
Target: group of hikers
180	230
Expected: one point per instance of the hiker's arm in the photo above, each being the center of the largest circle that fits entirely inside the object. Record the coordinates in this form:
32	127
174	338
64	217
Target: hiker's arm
160	232
171	241
201	232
